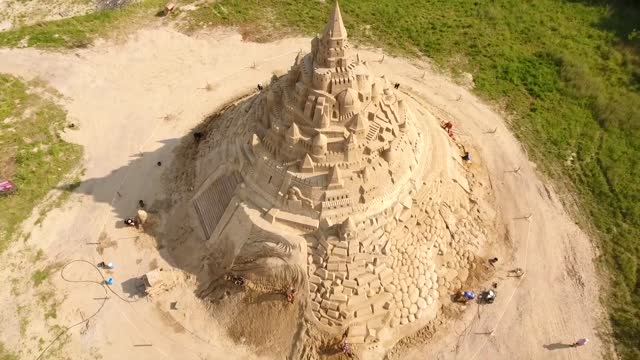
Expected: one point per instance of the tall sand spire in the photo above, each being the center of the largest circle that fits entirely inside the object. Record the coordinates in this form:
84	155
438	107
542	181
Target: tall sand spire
335	26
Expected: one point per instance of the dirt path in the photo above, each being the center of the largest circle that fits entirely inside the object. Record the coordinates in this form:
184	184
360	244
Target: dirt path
133	102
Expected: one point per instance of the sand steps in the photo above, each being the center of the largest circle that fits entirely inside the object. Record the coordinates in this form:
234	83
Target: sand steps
212	203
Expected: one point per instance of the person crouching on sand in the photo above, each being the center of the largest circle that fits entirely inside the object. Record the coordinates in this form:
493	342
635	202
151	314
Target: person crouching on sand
580	342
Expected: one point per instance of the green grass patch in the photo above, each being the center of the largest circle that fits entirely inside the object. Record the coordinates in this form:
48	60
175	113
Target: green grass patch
569	70
40	276
32	153
6	354
79	31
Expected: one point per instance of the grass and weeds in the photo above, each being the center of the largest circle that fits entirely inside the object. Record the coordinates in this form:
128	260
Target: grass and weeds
80	31
40	276
6	354
568	70
32	153
49	303
58	198
23	315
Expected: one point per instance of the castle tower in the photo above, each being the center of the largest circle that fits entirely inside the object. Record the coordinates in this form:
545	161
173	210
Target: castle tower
319	146
351	148
335	179
293	134
348	230
332	44
306	166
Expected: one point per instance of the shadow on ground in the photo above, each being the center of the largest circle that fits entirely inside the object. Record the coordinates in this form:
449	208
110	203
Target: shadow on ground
557	346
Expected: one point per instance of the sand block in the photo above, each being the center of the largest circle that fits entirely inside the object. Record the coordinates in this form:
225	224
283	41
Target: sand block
375	284
359	262
329	305
323	274
342	245
354	247
315	279
379	268
363	257
339	298
334	259
386	275
315	306
344	314
333	314
340	252
326	284
353	274
347	291
350	284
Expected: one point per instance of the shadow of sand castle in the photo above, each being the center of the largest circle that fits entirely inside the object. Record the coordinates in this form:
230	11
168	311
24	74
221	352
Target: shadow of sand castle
165	180
140	179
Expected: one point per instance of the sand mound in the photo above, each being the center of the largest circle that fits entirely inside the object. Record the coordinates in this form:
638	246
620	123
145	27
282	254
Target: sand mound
325	182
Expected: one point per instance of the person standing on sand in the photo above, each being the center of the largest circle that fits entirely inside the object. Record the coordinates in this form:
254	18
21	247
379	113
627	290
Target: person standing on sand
580	342
291	294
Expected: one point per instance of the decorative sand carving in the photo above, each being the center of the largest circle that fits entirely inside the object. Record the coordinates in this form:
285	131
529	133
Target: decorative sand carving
330	155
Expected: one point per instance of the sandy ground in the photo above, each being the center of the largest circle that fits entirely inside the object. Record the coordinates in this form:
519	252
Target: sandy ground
134	101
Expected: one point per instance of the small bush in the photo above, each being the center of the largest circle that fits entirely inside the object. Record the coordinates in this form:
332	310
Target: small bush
39	277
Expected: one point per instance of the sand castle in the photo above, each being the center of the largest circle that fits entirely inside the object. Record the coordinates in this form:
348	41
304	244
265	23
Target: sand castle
317	182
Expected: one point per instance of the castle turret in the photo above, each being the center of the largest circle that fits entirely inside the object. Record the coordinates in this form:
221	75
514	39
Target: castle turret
375	92
359	124
322	79
348	102
351	148
306	166
293	134
319	145
335	179
348	230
